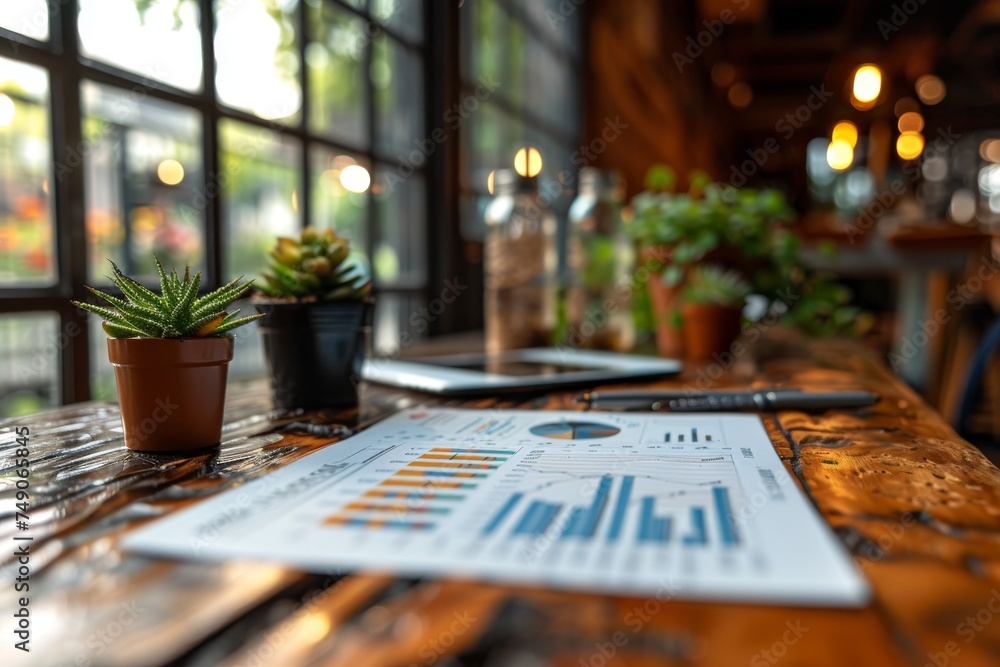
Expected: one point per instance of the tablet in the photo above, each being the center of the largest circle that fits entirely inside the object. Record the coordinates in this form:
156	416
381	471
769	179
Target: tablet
518	370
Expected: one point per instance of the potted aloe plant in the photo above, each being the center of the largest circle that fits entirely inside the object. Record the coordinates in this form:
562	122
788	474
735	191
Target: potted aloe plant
170	352
316	324
712	310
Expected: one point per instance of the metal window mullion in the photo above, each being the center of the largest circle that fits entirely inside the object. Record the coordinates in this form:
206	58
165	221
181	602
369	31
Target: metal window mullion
68	147
211	160
305	167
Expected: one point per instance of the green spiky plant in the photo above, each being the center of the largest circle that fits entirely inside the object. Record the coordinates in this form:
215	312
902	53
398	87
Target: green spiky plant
177	312
317	266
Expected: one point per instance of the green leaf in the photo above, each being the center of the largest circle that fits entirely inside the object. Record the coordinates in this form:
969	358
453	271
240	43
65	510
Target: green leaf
229	326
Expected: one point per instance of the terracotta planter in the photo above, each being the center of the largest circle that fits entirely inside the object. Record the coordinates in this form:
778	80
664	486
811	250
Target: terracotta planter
709	329
171	391
314	351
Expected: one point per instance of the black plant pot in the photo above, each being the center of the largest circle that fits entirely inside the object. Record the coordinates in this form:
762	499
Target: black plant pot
314	351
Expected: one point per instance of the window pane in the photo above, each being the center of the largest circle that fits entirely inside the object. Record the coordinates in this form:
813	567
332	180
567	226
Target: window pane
338	85
102	375
158	39
260	181
395	315
397	76
26	239
405	17
400	206
144	186
30	360
548	85
257	58
248	355
558	18
488	49
484	146
340	191
28	17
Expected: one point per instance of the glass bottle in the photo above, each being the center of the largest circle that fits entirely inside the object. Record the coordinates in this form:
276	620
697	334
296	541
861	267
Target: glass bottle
520	265
600	260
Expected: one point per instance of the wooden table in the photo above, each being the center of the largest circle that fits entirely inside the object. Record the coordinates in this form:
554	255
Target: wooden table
917	507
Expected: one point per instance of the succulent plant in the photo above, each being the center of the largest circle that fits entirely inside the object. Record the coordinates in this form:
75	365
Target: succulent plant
316	265
708	284
177	312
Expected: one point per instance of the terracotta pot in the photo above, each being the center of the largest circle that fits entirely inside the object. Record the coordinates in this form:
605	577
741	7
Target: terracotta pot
314	351
709	329
171	390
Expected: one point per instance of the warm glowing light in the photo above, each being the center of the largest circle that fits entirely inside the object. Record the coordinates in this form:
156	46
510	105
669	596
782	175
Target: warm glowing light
355	178
7	110
911	121
170	172
723	74
910	145
528	162
847	131
867	84
839	154
989	150
930	89
740	95
489	181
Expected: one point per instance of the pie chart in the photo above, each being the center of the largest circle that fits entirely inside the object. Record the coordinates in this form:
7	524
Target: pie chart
567	430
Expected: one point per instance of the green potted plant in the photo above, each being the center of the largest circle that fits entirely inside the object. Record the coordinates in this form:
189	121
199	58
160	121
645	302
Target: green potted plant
741	229
712	310
316	322
170	352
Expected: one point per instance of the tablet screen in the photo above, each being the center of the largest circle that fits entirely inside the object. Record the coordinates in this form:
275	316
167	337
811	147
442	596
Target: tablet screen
517	368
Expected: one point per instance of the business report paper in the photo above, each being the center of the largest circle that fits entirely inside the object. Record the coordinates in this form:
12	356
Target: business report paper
693	506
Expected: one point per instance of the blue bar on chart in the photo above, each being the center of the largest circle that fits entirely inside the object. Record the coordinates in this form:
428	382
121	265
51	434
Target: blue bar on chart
583	520
727	524
621	507
651	527
505	510
537	518
698	534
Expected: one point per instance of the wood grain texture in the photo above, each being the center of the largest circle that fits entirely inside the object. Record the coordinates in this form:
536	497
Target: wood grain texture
917	507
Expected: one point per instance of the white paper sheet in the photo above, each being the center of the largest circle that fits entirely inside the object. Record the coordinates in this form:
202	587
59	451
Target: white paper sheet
692	507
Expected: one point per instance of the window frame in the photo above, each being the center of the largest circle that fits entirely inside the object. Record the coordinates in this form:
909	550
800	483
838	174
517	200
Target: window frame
67	69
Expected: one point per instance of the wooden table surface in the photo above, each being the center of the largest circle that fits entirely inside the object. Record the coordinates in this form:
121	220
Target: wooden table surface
917	507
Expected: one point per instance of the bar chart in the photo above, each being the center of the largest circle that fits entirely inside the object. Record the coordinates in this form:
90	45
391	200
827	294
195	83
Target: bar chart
697	505
428	482
685	501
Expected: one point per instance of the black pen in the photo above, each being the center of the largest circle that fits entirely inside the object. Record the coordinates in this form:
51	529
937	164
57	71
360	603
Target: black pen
729	400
